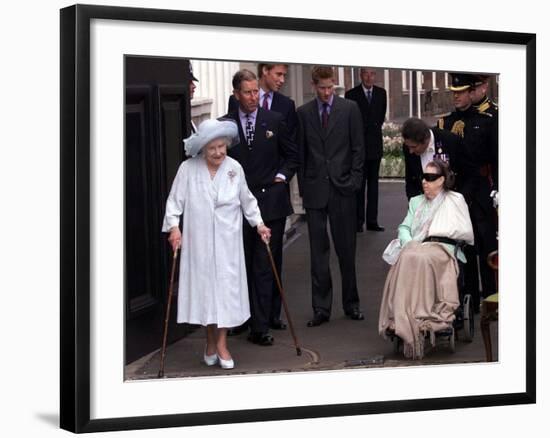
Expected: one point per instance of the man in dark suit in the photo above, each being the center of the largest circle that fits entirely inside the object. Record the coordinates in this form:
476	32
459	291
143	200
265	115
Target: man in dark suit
331	148
269	159
422	145
271	78
372	102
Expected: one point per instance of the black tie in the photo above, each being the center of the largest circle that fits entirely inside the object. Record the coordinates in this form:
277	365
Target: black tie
369	95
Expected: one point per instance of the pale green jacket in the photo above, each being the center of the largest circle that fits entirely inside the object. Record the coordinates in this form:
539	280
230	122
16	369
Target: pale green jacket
404	230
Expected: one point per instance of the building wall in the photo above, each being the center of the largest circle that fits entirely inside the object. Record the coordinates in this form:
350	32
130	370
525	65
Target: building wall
430	95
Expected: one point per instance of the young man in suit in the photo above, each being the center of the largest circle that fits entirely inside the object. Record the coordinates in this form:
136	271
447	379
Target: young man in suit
331	148
422	145
372	102
269	158
271	77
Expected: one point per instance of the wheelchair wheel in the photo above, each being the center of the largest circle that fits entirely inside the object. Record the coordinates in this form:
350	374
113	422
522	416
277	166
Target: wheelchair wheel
469	322
452	346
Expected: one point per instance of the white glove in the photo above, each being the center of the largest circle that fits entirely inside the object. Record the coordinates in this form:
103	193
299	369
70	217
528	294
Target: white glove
494	194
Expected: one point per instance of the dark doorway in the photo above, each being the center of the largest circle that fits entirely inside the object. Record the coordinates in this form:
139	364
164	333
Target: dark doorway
157	118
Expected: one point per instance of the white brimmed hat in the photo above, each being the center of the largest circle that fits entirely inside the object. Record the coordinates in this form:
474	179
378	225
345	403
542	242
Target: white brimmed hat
210	130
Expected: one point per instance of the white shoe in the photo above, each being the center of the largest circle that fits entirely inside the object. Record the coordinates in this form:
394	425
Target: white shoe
226	364
210	359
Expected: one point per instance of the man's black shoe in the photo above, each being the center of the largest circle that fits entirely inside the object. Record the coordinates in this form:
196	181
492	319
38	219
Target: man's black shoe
264	339
318	319
374	227
237	330
355	314
277	324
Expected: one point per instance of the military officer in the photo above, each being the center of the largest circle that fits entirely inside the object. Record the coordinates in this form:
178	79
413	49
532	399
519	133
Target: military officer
486	106
479	96
480	144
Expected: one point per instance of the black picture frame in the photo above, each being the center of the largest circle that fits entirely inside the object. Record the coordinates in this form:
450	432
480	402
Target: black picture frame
75	217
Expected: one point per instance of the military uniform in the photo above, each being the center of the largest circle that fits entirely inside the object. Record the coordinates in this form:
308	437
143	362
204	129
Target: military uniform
487	106
479	134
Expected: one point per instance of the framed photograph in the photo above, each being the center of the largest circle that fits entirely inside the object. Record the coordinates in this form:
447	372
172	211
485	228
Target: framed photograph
119	63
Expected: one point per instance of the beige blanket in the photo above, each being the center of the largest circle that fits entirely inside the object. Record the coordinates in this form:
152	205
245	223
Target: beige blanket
420	295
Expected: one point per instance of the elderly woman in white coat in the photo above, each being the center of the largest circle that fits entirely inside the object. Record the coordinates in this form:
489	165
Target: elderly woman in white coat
421	292
211	195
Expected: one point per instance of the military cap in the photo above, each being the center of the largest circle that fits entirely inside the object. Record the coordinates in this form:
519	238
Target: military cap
480	79
193	78
461	81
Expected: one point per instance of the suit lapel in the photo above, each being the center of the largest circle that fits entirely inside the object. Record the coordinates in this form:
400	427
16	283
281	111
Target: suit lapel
335	113
260	128
363	102
314	117
374	96
242	146
276	103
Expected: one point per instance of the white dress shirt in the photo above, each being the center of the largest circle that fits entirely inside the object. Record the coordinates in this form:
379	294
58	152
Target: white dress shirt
428	154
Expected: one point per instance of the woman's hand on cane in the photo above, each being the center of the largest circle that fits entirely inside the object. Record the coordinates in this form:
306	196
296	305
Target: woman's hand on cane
264	232
175	238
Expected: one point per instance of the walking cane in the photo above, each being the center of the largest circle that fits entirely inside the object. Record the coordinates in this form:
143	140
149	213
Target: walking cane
277	279
168	305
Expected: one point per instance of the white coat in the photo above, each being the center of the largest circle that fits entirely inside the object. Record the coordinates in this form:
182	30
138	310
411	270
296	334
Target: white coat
212	282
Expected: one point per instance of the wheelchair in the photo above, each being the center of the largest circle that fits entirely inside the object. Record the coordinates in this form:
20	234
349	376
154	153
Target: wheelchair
464	315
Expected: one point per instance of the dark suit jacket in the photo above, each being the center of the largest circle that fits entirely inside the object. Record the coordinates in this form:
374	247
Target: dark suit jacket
272	152
373	117
333	155
281	104
447	148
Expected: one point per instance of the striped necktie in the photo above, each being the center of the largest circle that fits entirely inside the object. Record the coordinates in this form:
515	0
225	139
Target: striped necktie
249	130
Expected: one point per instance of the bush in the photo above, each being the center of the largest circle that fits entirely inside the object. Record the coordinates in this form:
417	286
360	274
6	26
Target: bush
393	162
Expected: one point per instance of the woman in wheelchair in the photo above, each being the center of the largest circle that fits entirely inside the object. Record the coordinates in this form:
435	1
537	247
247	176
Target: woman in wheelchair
421	294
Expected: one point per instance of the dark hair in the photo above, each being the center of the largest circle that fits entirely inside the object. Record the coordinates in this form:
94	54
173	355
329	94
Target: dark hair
268	66
321	72
415	130
443	169
242	75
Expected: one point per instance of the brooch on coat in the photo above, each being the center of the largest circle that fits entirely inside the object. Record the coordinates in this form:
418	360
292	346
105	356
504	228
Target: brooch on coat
231	174
269	134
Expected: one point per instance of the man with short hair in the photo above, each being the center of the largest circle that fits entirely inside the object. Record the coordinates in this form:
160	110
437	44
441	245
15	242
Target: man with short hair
479	95
480	146
372	102
422	145
271	79
269	158
331	148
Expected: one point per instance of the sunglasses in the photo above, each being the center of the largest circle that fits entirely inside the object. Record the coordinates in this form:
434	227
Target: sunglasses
430	177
